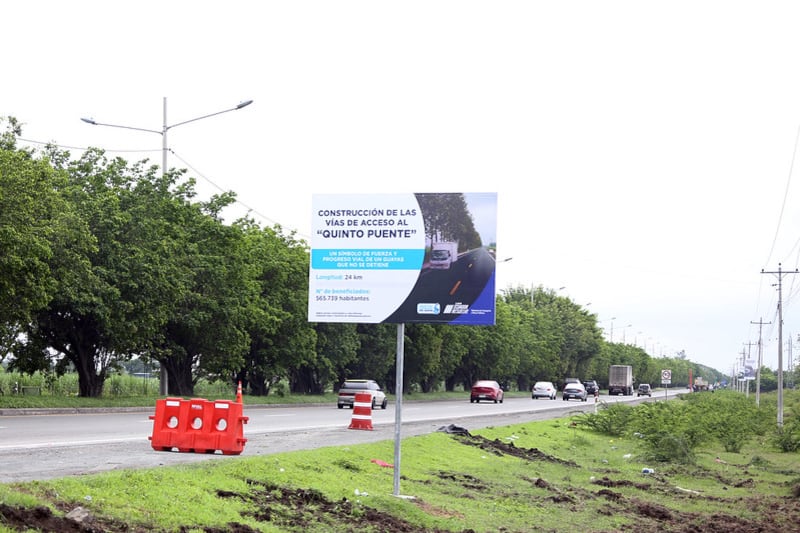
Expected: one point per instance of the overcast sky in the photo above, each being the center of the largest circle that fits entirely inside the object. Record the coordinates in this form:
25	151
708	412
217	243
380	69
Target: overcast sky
643	152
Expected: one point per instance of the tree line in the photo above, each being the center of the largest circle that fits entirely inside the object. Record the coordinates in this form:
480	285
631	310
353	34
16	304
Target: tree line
104	261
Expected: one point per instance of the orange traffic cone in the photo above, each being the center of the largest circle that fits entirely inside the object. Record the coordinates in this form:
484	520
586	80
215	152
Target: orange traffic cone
239	393
362	411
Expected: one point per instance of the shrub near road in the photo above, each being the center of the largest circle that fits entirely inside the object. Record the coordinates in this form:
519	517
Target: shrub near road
539	476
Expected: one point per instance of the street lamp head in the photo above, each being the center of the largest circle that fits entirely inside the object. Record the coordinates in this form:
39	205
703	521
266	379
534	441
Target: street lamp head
244	104
89	121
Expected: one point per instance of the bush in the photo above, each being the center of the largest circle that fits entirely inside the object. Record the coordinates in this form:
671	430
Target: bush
787	437
671	431
668	431
730	418
669	448
610	419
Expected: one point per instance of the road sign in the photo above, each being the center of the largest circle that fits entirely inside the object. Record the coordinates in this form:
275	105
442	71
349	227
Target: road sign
666	377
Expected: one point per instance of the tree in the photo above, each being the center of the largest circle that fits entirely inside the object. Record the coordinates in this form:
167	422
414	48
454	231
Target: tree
114	308
281	339
377	355
338	344
206	335
422	356
39	233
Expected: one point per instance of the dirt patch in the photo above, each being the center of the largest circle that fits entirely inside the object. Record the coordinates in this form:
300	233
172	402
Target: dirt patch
298	509
606	482
42	519
499	447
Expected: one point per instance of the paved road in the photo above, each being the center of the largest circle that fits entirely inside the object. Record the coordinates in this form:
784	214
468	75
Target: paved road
43	446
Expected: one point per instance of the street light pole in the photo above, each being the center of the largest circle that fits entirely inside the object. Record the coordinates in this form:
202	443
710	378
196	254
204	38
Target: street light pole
166	127
163	382
623	332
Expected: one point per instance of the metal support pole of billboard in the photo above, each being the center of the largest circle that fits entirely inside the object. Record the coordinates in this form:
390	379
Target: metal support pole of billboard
398	411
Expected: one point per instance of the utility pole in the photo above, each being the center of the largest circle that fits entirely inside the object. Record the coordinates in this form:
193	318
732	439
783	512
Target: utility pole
780	273
760	360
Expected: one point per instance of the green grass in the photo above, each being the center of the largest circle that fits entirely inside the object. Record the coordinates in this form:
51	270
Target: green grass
536	476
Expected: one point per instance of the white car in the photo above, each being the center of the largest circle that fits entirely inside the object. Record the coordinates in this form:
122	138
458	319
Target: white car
544	389
348	390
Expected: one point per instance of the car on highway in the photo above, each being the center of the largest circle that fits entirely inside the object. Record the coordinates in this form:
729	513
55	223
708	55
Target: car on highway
591	387
486	390
574	391
543	389
350	387
644	390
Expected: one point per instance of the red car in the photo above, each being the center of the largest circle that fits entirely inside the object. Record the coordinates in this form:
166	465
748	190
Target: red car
486	390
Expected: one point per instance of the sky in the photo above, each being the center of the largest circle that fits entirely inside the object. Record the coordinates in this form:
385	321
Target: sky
643	153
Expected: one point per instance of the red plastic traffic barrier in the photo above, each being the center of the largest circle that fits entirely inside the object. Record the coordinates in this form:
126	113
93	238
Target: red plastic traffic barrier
193	426
362	411
227	427
199	426
166	433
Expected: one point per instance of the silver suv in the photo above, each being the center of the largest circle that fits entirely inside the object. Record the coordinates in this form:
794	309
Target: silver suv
644	390
348	390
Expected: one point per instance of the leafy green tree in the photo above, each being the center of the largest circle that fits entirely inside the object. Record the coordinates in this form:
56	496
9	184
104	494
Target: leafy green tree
339	344
40	235
455	346
282	342
206	334
103	314
768	381
377	355
283	292
422	355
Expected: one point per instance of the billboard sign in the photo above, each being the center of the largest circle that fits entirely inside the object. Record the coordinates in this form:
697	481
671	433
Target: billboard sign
750	369
398	258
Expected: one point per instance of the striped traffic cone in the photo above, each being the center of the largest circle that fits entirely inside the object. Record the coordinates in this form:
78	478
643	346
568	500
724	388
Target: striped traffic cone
362	411
239	393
